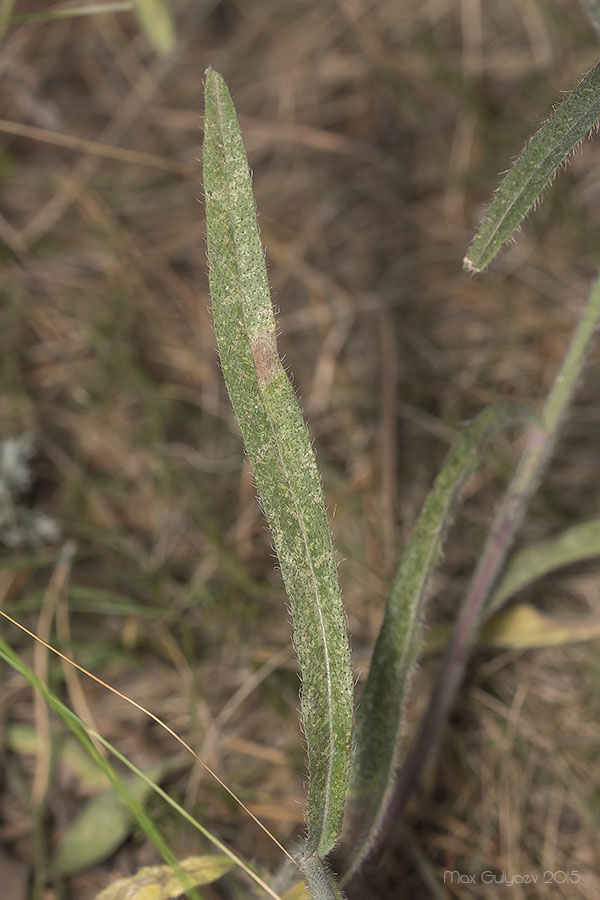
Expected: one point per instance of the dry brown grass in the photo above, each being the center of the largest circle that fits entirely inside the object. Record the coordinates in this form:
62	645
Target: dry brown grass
375	132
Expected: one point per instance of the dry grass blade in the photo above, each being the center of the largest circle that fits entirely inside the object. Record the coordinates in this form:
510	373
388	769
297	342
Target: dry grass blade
97	148
71	12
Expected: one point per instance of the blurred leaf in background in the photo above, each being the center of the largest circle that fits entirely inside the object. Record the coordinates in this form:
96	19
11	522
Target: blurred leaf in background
156	20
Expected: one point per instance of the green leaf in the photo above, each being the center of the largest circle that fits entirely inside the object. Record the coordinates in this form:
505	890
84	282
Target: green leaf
71	757
102	826
159	882
82	732
573	545
537	453
155	18
283	463
535	168
379	718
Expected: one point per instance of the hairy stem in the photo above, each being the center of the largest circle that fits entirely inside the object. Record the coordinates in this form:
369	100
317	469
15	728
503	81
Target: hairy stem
534	461
380	714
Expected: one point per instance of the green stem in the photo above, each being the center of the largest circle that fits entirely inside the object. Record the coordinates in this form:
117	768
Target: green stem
320	881
534	461
380	714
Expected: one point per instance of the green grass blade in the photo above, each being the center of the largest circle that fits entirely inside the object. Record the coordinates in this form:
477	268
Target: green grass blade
574	545
548	149
156	20
379	718
283	463
82	732
102	825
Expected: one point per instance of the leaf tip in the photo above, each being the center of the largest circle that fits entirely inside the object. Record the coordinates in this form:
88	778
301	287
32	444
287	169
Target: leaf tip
212	80
469	266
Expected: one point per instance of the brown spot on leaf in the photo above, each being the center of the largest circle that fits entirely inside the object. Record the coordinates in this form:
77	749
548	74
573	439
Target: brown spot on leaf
265	356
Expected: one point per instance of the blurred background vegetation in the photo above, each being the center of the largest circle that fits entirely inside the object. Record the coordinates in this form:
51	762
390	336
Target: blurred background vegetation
376	130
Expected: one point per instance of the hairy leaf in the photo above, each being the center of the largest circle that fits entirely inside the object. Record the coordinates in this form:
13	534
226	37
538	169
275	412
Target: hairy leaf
541	440
379	718
534	169
282	460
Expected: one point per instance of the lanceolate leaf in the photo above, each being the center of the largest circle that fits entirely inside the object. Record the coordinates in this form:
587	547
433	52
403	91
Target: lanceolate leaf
279	450
535	168
573	545
532	465
102	825
379	718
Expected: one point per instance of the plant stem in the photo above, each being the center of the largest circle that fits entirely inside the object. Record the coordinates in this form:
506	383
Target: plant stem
380	714
320	881
533	463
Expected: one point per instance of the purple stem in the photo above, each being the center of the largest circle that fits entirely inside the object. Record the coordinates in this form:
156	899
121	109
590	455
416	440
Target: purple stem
507	521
